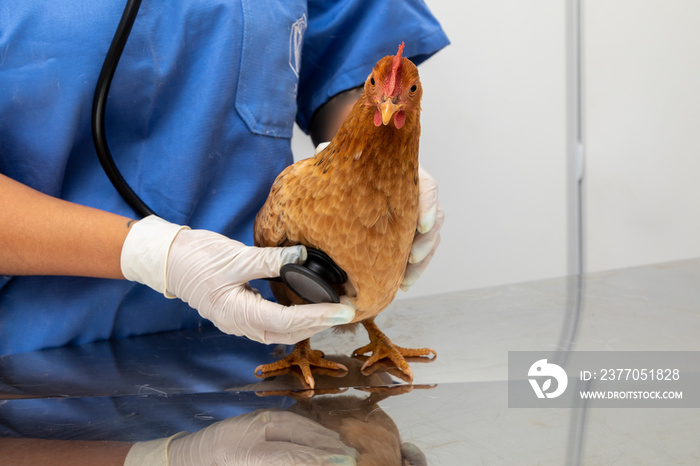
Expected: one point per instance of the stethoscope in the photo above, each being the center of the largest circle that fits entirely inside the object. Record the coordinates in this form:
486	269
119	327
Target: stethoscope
313	281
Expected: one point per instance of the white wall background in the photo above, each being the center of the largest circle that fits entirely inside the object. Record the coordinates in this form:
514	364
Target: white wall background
642	122
495	137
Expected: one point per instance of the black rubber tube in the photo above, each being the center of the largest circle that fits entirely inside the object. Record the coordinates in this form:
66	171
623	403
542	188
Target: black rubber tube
99	104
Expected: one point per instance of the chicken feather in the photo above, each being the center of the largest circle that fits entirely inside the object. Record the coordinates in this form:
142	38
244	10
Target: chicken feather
357	199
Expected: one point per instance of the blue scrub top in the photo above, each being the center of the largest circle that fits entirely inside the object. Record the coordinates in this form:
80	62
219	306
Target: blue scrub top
199	121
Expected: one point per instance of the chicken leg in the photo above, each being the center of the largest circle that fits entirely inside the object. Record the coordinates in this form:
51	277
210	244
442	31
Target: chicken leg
381	347
303	357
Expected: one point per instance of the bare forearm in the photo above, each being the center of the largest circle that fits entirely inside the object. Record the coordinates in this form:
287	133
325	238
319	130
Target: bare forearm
42	235
19	451
328	119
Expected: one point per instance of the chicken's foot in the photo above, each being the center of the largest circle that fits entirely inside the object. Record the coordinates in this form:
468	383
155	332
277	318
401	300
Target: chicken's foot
302	357
381	347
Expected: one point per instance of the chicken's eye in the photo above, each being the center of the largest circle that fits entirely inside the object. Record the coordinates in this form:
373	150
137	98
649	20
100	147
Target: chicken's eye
371	80
413	88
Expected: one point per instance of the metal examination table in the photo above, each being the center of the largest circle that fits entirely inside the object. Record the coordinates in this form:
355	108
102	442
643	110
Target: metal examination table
457	410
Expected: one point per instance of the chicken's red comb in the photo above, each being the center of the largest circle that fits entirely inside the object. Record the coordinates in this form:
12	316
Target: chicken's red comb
393	84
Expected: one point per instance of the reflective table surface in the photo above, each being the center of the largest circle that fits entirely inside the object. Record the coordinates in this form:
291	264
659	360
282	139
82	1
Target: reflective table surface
456	411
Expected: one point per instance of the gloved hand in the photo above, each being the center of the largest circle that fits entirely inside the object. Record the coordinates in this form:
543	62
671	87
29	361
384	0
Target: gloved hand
412	456
211	273
430	220
264	437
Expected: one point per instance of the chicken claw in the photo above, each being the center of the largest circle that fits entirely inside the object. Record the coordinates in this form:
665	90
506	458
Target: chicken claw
302	357
381	347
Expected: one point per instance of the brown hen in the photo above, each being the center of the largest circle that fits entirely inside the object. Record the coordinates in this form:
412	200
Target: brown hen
357	201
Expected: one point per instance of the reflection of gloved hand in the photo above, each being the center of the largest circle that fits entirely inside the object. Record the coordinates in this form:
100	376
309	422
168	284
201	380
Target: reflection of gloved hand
430	219
264	437
210	272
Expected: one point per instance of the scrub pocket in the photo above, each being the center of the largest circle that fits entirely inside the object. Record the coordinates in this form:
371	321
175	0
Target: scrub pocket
273	32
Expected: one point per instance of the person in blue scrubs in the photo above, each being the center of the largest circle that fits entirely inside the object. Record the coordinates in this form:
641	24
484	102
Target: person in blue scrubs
199	120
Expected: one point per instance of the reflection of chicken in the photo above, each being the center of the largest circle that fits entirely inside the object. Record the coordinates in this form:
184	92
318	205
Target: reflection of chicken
359	419
362	425
357	200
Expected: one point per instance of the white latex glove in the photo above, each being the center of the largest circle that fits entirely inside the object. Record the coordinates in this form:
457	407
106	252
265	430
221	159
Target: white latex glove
211	273
264	437
430	220
412	456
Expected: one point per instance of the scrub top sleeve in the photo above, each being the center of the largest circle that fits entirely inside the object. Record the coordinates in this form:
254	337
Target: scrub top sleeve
344	40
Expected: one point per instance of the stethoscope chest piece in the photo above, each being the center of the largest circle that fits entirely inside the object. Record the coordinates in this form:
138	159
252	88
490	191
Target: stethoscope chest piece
313	281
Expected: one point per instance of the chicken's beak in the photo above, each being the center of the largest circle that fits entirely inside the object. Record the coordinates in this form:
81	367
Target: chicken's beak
388	108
